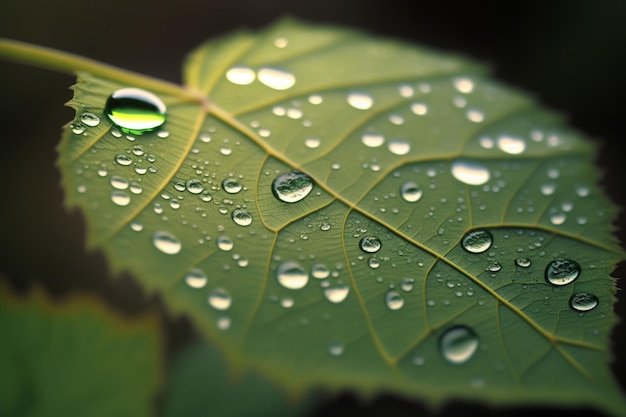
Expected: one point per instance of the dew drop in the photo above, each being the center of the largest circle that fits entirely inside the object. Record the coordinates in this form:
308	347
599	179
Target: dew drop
407	284
135	111
312	143
320	271
78	128
458	344
166	242
523	262
511	145
469	172
195	278
224	243
335	348
562	272
420	109
464	85
393	300
477	241
242	217
220	299
231	186
370	244
240	75
399	147
120	198
89	119
118	183
223	323
475	116
372	140
123	160
411	192
276	79
336	294
291	275
583	301
494	267
136	226
360	101
292	187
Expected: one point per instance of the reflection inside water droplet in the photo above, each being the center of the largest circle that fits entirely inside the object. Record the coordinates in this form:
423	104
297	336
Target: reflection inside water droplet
135	111
458	344
336	294
292	187
196	278
242	217
220	299
370	244
562	272
583	301
477	241
393	300
410	192
292	275
166	242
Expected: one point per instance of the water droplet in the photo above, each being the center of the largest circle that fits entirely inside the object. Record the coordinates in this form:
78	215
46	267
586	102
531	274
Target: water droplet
224	243
78	128
360	101
523	262
118	183
136	226
166	242
458	344
240	75
291	275
393	300
370	244
419	109
407	284
373	263
89	119
558	218
223	323
337	293
494	267
316	99
292	187
276	79
193	186
399	147
320	271
324	227
242	217
411	192
123	160
372	140
135	111
562	272
195	278
511	145
475	116
469	172
287	302
225	150
220	299
120	198
583	301
312	143
477	241
335	348
548	189
464	85
231	186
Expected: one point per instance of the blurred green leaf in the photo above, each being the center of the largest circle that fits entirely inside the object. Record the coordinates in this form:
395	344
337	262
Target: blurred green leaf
74	357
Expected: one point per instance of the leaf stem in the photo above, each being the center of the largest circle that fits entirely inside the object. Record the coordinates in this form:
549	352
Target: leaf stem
69	63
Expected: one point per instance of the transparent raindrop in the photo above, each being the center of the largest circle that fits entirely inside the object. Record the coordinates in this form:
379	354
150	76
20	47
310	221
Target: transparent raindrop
399	147
511	145
292	275
231	186
372	140
242	217
337	293
194	186
123	159
335	348
470	172
523	262
120	198
292	187
135	111
220	299
407	284
240	75
166	242
393	300
224	243
370	244
583	301
411	192
89	119
196	278
458	344
276	79
477	241
360	101
320	271
562	272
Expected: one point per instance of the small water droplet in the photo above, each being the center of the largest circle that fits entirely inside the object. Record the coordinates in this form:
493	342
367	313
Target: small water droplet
89	119
372	140
469	172
320	271
511	145
464	85
370	244
224	243
312	143
276	79
393	300
420	109
240	75
286	302
225	150
583	301
223	323
136	226
292	275
292	187
373	263
337	293
407	284
166	242
335	348
231	186
562	272
135	111
123	160
458	344
399	147
194	186
411	192
118	182
120	198
78	128
494	267
475	116
324	227
360	101
477	241
242	217
523	262
196	278
220	299
558	218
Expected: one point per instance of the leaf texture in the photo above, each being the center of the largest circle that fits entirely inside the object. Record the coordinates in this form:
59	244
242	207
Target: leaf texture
423	210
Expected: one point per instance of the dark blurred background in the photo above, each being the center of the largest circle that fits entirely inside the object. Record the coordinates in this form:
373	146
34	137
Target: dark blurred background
568	54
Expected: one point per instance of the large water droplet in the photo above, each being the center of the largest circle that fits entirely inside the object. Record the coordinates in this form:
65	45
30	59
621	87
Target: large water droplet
276	79
477	241
370	244
583	301
240	75
196	278
336	294
292	187
458	344
360	101
411	192
166	242
220	299
292	275
469	172
562	271
393	300
194	186
242	217
231	186
135	110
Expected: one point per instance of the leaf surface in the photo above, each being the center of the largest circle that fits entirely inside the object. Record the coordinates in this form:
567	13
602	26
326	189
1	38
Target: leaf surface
408	242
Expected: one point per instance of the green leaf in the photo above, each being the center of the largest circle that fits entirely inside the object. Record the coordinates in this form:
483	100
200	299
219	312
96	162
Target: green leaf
420	212
199	384
75	357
